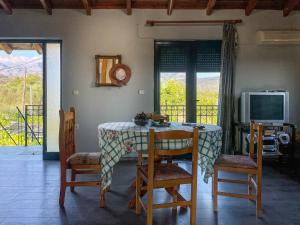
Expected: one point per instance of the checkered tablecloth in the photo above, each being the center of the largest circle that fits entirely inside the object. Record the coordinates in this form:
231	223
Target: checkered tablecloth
120	138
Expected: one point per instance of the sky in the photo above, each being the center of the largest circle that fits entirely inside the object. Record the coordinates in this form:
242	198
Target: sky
208	75
12	64
18	53
199	75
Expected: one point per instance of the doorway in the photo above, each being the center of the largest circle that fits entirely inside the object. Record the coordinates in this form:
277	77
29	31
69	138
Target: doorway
187	77
30	93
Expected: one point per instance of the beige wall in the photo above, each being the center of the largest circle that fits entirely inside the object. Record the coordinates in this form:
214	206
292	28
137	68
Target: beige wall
113	32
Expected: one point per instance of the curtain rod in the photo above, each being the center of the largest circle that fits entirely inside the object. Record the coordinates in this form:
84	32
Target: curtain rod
189	22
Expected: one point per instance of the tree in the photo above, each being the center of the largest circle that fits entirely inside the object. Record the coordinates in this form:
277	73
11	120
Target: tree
172	92
173	98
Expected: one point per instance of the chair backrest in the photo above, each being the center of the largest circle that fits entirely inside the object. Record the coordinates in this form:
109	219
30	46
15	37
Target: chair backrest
157	117
66	135
154	152
256	136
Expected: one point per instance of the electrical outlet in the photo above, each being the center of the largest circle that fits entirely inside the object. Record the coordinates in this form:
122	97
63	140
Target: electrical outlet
76	126
141	92
75	92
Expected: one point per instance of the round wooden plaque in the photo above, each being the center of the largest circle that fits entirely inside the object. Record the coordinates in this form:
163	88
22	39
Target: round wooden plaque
120	74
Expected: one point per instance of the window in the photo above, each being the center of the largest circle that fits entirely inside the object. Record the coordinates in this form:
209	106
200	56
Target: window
187	76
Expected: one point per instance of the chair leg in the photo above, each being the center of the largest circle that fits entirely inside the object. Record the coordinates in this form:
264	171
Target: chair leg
73	177
149	207
193	208
63	185
215	189
174	195
138	194
258	195
250	188
102	198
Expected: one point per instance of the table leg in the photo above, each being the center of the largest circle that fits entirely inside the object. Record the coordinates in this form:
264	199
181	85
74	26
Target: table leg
133	184
131	203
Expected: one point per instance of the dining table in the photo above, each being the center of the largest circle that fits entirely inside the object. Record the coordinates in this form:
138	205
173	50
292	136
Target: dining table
117	139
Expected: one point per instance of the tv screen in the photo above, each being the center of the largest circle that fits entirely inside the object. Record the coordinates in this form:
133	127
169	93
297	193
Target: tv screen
266	107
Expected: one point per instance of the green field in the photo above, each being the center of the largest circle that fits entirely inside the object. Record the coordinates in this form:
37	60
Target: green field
12	96
173	101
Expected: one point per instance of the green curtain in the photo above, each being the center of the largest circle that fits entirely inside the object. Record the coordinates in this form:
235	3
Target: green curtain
226	100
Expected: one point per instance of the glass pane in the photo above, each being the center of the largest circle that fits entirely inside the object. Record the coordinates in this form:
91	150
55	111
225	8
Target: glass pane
207	97
21	94
173	96
53	69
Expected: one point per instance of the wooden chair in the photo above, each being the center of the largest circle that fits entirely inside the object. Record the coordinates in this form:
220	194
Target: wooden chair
168	176
142	156
242	164
78	163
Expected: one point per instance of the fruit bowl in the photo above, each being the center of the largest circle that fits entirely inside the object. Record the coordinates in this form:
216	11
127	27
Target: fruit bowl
141	119
140	122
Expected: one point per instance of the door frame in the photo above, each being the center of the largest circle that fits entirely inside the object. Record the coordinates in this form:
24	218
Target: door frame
46	155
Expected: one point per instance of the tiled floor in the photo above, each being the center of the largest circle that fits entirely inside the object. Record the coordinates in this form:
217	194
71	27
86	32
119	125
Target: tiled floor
29	190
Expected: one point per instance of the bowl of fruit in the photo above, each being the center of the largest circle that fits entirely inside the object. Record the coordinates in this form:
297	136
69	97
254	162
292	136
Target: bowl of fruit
141	119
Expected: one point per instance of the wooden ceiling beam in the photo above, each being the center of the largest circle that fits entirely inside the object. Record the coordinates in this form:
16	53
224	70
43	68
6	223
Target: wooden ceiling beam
250	7
47	6
38	48
210	6
87	6
6	47
170	7
6	6
290	6
129	7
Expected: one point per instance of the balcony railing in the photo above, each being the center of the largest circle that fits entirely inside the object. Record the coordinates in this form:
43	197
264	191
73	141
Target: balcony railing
22	129
205	114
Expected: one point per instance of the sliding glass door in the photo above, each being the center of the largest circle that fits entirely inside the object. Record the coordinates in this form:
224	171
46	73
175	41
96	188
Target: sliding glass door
187	78
30	75
52	93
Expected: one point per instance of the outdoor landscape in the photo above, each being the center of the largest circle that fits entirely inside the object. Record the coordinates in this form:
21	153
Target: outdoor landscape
173	96
20	85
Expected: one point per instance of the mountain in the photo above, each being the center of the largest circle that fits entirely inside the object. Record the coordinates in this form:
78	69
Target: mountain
204	84
15	65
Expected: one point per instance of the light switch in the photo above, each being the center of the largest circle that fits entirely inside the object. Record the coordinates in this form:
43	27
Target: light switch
141	92
75	92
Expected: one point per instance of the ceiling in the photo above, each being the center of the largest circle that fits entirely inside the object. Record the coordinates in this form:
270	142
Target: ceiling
9	47
286	6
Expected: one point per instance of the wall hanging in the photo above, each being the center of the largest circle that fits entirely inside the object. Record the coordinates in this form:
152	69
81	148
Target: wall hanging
110	71
104	63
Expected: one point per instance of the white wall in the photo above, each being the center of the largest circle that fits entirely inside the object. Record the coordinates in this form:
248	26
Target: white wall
113	32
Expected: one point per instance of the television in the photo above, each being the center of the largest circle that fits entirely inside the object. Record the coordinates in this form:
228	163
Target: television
264	107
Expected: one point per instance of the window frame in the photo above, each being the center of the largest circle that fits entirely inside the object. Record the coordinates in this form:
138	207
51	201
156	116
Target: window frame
191	72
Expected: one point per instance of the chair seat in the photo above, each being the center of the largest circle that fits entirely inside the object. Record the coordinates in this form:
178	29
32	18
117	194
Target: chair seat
166	172
88	158
236	161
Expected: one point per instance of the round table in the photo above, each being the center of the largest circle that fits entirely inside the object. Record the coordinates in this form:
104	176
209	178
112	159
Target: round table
120	138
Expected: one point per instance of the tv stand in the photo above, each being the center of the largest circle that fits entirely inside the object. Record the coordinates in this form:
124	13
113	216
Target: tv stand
270	130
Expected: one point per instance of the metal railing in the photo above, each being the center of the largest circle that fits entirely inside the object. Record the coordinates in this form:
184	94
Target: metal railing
22	129
205	114
34	122
5	134
176	113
